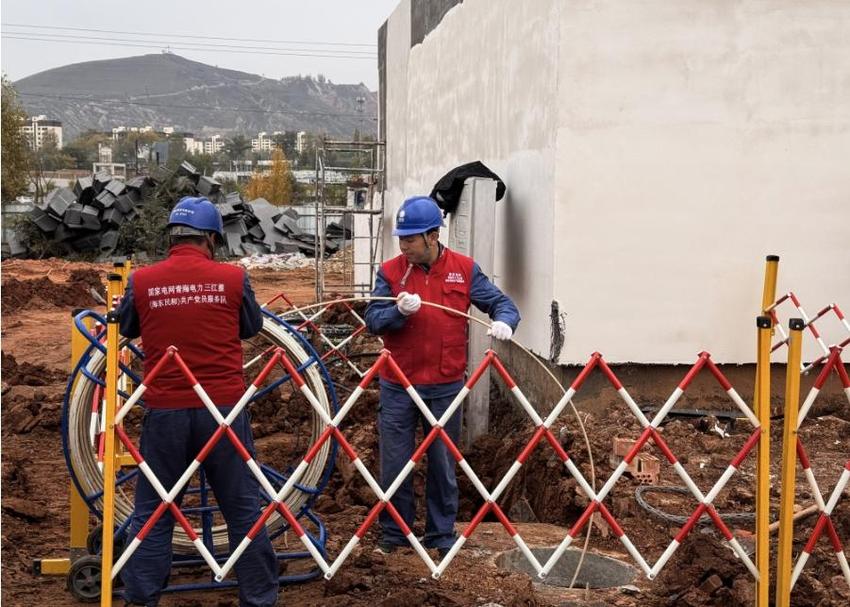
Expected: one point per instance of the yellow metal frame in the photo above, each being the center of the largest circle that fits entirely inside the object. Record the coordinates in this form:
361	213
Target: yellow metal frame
762	411
109	456
771	269
115	288
761	407
784	560
79	510
124	269
51	566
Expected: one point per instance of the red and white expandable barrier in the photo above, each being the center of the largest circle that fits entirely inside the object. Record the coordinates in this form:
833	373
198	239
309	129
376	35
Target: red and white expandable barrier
334	348
651	431
542	431
824	522
168	496
810	324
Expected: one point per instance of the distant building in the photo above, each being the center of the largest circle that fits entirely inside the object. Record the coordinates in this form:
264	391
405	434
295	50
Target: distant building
213	145
104	153
264	142
120	132
300	141
38	128
192	145
261	143
118	170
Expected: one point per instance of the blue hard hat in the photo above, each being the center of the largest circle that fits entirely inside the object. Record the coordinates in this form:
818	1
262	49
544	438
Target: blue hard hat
196	213
417	215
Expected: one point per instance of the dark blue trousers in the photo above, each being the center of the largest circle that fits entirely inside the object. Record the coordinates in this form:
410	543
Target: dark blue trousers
171	439
397	423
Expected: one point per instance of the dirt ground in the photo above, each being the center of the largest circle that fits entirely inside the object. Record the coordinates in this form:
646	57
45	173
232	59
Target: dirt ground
37	299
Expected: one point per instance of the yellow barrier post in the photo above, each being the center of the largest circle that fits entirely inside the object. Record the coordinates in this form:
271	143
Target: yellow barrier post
79	509
79	512
109	454
762	411
771	269
123	268
114	288
784	561
761	402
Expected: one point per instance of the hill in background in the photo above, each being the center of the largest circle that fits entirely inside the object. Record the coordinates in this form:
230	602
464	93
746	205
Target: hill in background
166	90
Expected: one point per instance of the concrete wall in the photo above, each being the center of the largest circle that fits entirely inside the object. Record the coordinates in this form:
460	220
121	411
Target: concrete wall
449	103
654	152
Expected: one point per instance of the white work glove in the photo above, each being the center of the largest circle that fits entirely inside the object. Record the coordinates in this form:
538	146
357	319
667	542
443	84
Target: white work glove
500	330
408	303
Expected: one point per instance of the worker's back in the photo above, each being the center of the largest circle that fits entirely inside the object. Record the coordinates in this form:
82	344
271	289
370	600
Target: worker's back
191	302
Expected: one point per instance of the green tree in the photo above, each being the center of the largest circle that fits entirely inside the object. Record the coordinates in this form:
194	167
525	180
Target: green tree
83	149
15	149
205	163
50	158
286	141
127	149
236	146
176	151
148	231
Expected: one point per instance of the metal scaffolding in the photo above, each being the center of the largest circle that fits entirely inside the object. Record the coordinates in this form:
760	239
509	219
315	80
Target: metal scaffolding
359	252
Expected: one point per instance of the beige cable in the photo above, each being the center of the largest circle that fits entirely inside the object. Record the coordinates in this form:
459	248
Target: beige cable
521	347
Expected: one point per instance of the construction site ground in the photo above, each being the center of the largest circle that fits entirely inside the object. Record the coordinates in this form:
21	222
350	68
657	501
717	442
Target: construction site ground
37	299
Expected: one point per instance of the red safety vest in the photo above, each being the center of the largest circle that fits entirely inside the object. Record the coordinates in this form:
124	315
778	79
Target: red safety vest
192	302
431	347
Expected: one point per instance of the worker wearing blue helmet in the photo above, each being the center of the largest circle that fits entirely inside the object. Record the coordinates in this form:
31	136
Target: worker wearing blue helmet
430	347
205	309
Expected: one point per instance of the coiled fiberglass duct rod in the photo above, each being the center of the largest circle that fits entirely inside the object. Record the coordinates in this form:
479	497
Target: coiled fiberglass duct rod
81	454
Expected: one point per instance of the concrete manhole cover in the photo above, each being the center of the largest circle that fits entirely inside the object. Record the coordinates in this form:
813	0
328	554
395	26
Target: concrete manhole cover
597	571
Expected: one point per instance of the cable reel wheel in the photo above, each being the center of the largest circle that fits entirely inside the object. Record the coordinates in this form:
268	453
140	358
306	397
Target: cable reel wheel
81	456
94	541
83	578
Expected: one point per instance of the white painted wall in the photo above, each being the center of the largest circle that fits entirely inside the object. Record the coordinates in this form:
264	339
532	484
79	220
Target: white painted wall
654	152
450	102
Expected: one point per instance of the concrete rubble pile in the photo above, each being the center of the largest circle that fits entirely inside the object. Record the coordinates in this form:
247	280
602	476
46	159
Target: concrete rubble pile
87	217
276	261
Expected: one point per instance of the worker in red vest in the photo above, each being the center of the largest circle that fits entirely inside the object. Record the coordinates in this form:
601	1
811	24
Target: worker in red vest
205	309
430	347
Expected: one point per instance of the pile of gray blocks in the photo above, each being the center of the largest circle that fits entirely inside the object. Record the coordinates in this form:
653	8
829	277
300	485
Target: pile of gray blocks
88	216
259	227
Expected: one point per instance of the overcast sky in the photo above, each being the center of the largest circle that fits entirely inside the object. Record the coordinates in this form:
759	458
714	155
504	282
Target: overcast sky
336	38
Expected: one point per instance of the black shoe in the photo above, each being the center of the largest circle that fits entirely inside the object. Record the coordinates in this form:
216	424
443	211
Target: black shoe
442	552
386	548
